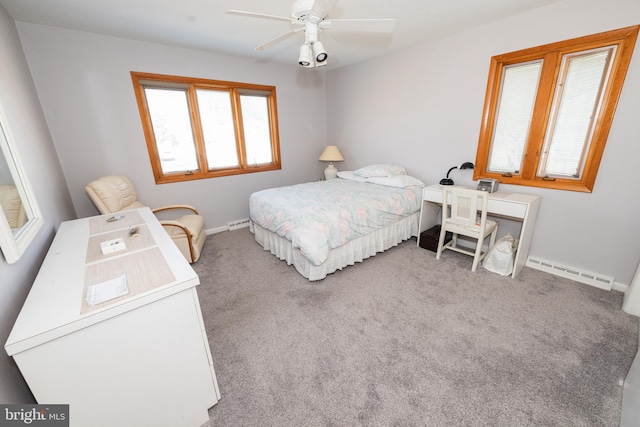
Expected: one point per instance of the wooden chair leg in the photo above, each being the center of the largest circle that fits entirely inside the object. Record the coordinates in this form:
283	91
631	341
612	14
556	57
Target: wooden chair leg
476	256
493	238
443	233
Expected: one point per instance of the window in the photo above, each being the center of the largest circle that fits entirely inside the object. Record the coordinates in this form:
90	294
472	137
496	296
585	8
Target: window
197	128
548	111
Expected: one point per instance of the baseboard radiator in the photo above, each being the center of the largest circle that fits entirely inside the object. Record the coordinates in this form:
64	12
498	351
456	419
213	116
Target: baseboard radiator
588	278
237	224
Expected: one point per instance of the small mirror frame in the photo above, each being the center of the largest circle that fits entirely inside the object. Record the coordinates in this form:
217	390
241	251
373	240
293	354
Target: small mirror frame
15	243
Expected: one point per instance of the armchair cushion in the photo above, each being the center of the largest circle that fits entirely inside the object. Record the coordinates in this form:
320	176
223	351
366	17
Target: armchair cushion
195	226
12	206
113	194
194	223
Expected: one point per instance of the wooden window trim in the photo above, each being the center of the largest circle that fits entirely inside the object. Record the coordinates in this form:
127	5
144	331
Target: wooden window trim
191	84
551	54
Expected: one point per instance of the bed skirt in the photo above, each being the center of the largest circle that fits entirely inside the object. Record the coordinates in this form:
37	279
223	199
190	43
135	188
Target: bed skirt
348	254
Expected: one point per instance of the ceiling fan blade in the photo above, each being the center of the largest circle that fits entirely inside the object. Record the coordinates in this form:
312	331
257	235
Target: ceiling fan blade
258	15
320	9
330	43
367	25
278	39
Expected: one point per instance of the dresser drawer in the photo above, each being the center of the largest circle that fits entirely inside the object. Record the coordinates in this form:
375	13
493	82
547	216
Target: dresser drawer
506	208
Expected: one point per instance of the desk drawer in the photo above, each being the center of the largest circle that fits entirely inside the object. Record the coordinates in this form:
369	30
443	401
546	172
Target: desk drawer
433	195
497	205
507	208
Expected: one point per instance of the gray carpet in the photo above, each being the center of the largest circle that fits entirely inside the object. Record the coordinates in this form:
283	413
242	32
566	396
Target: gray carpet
404	340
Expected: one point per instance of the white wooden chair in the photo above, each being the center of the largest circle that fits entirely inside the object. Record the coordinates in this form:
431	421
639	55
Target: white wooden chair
467	217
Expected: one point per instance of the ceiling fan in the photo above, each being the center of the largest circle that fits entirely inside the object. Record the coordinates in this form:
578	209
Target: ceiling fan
310	16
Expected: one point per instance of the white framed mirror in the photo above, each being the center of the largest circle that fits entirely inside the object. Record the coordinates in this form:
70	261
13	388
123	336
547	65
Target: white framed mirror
20	217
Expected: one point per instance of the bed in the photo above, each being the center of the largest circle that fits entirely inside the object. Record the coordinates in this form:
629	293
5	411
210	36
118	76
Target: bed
324	226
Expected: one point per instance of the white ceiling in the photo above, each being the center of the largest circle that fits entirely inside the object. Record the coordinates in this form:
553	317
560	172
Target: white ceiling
203	24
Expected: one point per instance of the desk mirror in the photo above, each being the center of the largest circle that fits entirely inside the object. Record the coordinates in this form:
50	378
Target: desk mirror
20	217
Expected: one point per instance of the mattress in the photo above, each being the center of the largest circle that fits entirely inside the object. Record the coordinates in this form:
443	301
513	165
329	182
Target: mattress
321	227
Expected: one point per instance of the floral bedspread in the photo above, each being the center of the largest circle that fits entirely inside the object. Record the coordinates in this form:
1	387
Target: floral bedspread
319	216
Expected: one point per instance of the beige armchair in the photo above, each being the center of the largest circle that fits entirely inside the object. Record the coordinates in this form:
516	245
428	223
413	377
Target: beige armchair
12	206
116	193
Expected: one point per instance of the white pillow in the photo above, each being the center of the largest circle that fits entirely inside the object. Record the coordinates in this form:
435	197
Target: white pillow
400	181
380	170
351	176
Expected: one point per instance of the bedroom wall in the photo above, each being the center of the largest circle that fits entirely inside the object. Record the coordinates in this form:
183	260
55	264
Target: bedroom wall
20	101
422	108
84	84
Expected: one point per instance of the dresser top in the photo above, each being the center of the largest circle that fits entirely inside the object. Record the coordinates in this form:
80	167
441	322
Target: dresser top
56	305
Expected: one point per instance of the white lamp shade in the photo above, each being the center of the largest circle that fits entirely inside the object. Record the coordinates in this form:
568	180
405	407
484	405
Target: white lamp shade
331	154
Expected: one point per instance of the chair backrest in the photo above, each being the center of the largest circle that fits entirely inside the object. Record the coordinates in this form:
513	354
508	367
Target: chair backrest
465	204
113	193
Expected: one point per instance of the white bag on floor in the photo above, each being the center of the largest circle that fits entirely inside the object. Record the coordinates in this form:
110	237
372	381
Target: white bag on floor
500	258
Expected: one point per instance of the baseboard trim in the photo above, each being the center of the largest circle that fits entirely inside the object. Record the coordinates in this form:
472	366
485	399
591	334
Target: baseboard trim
620	287
210	231
236	225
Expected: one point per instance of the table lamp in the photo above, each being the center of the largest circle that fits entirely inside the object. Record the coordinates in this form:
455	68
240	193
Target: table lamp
449	181
331	154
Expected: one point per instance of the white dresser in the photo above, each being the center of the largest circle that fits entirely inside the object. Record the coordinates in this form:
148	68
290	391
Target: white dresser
141	359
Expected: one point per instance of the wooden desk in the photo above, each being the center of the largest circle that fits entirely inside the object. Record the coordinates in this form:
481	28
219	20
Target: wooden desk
521	207
140	359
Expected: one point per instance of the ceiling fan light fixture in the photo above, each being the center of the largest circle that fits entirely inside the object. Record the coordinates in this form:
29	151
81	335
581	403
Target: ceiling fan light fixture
305	56
312	17
320	54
